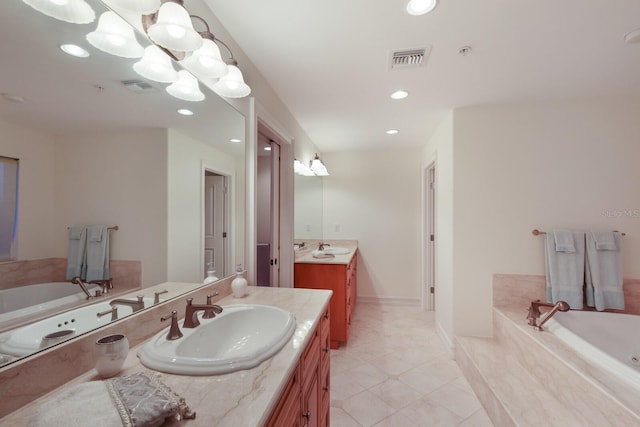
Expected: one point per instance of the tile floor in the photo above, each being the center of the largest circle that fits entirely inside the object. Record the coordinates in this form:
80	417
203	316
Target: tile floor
395	371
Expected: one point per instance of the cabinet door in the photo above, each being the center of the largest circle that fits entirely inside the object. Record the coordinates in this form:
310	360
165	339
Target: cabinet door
287	412
310	404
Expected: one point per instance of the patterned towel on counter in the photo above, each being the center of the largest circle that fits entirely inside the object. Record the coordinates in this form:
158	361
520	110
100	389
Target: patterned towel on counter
137	400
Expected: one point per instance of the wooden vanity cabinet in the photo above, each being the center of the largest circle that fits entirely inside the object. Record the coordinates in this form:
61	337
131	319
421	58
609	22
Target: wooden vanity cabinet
305	399
342	279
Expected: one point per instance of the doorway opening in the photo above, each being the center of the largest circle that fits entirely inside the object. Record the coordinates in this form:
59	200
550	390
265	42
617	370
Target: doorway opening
216	219
268	210
429	238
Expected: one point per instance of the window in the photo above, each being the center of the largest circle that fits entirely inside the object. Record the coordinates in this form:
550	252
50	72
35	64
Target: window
8	207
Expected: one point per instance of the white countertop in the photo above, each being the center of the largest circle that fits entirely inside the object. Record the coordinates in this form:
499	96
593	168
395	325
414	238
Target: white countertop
305	255
242	398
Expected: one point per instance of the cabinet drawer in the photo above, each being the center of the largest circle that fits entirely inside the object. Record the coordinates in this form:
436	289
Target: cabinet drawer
310	359
287	413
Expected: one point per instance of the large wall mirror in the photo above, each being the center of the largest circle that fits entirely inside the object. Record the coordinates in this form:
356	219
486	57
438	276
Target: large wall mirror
99	144
307	208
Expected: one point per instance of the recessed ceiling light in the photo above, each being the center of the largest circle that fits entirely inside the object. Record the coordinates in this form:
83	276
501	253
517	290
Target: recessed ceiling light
74	50
420	7
267	148
633	36
392	131
185	112
399	94
235	140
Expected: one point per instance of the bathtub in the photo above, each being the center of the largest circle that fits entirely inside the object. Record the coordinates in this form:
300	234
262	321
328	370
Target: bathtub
609	340
26	300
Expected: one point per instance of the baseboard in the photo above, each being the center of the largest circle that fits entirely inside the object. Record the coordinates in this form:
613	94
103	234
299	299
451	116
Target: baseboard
389	300
449	344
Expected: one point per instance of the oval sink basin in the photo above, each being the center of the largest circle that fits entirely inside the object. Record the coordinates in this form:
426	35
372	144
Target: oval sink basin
241	337
334	250
61	327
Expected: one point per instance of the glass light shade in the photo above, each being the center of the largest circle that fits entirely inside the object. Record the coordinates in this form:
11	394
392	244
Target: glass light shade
232	84
318	167
206	61
115	36
156	65
420	7
73	11
186	87
173	29
143	7
301	169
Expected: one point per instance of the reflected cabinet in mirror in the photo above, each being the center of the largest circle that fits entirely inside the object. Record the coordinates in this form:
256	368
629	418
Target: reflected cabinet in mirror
308	207
97	144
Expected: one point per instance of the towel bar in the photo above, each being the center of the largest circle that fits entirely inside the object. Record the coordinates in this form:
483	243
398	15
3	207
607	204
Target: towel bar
537	232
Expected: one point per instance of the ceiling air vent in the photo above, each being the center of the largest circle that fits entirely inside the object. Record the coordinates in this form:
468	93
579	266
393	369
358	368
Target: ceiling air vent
409	58
138	86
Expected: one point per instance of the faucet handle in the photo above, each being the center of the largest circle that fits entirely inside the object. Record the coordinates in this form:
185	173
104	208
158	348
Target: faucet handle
209	297
211	312
174	331
156	296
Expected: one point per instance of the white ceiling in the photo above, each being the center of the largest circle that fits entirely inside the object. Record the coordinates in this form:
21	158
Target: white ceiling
329	60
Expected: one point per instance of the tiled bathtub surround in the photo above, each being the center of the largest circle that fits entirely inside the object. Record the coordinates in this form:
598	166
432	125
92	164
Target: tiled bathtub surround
525	377
125	274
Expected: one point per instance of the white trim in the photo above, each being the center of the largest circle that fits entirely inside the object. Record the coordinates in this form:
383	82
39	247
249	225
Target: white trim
389	300
446	340
266	119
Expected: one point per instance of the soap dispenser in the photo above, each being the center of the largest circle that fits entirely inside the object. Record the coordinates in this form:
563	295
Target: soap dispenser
211	274
239	283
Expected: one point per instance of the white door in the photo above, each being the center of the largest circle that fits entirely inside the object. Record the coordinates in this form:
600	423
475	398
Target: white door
275	215
430	229
214	232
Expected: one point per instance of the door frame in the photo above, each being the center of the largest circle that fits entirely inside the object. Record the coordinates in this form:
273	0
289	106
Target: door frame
429	228
229	246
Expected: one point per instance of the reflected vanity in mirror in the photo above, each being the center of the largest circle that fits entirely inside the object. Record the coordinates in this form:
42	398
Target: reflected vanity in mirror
99	144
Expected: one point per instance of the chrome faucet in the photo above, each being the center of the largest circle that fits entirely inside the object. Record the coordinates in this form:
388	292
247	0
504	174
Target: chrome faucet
78	281
106	285
191	314
135	305
534	316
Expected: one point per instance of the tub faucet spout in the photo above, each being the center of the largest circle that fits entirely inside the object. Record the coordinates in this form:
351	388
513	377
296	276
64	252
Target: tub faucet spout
78	281
536	319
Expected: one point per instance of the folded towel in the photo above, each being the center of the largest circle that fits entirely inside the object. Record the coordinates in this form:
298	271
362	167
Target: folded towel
605	240
140	399
97	259
564	241
76	251
565	271
604	274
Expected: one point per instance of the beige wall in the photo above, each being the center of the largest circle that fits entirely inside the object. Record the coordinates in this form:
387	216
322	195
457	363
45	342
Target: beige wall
116	178
547	166
35	151
374	197
187	158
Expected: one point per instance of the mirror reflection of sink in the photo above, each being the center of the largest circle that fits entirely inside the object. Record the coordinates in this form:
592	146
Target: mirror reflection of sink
241	337
61	327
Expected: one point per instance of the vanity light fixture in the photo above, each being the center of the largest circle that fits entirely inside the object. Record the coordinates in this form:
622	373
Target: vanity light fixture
156	65
420	7
318	167
206	61
392	131
138	6
399	94
232	84
185	112
72	11
186	87
74	50
115	36
172	28
301	169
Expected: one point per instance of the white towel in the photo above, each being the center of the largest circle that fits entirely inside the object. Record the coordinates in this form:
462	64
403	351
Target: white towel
604	272
564	241
565	271
97	253
605	240
76	251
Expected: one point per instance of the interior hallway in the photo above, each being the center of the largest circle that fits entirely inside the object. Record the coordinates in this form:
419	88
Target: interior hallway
395	372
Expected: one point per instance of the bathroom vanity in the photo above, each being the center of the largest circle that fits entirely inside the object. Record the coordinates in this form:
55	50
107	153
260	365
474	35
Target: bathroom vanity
338	273
292	386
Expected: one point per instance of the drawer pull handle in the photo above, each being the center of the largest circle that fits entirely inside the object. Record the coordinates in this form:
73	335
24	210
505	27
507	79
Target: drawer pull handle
326	315
325	388
326	349
307	415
